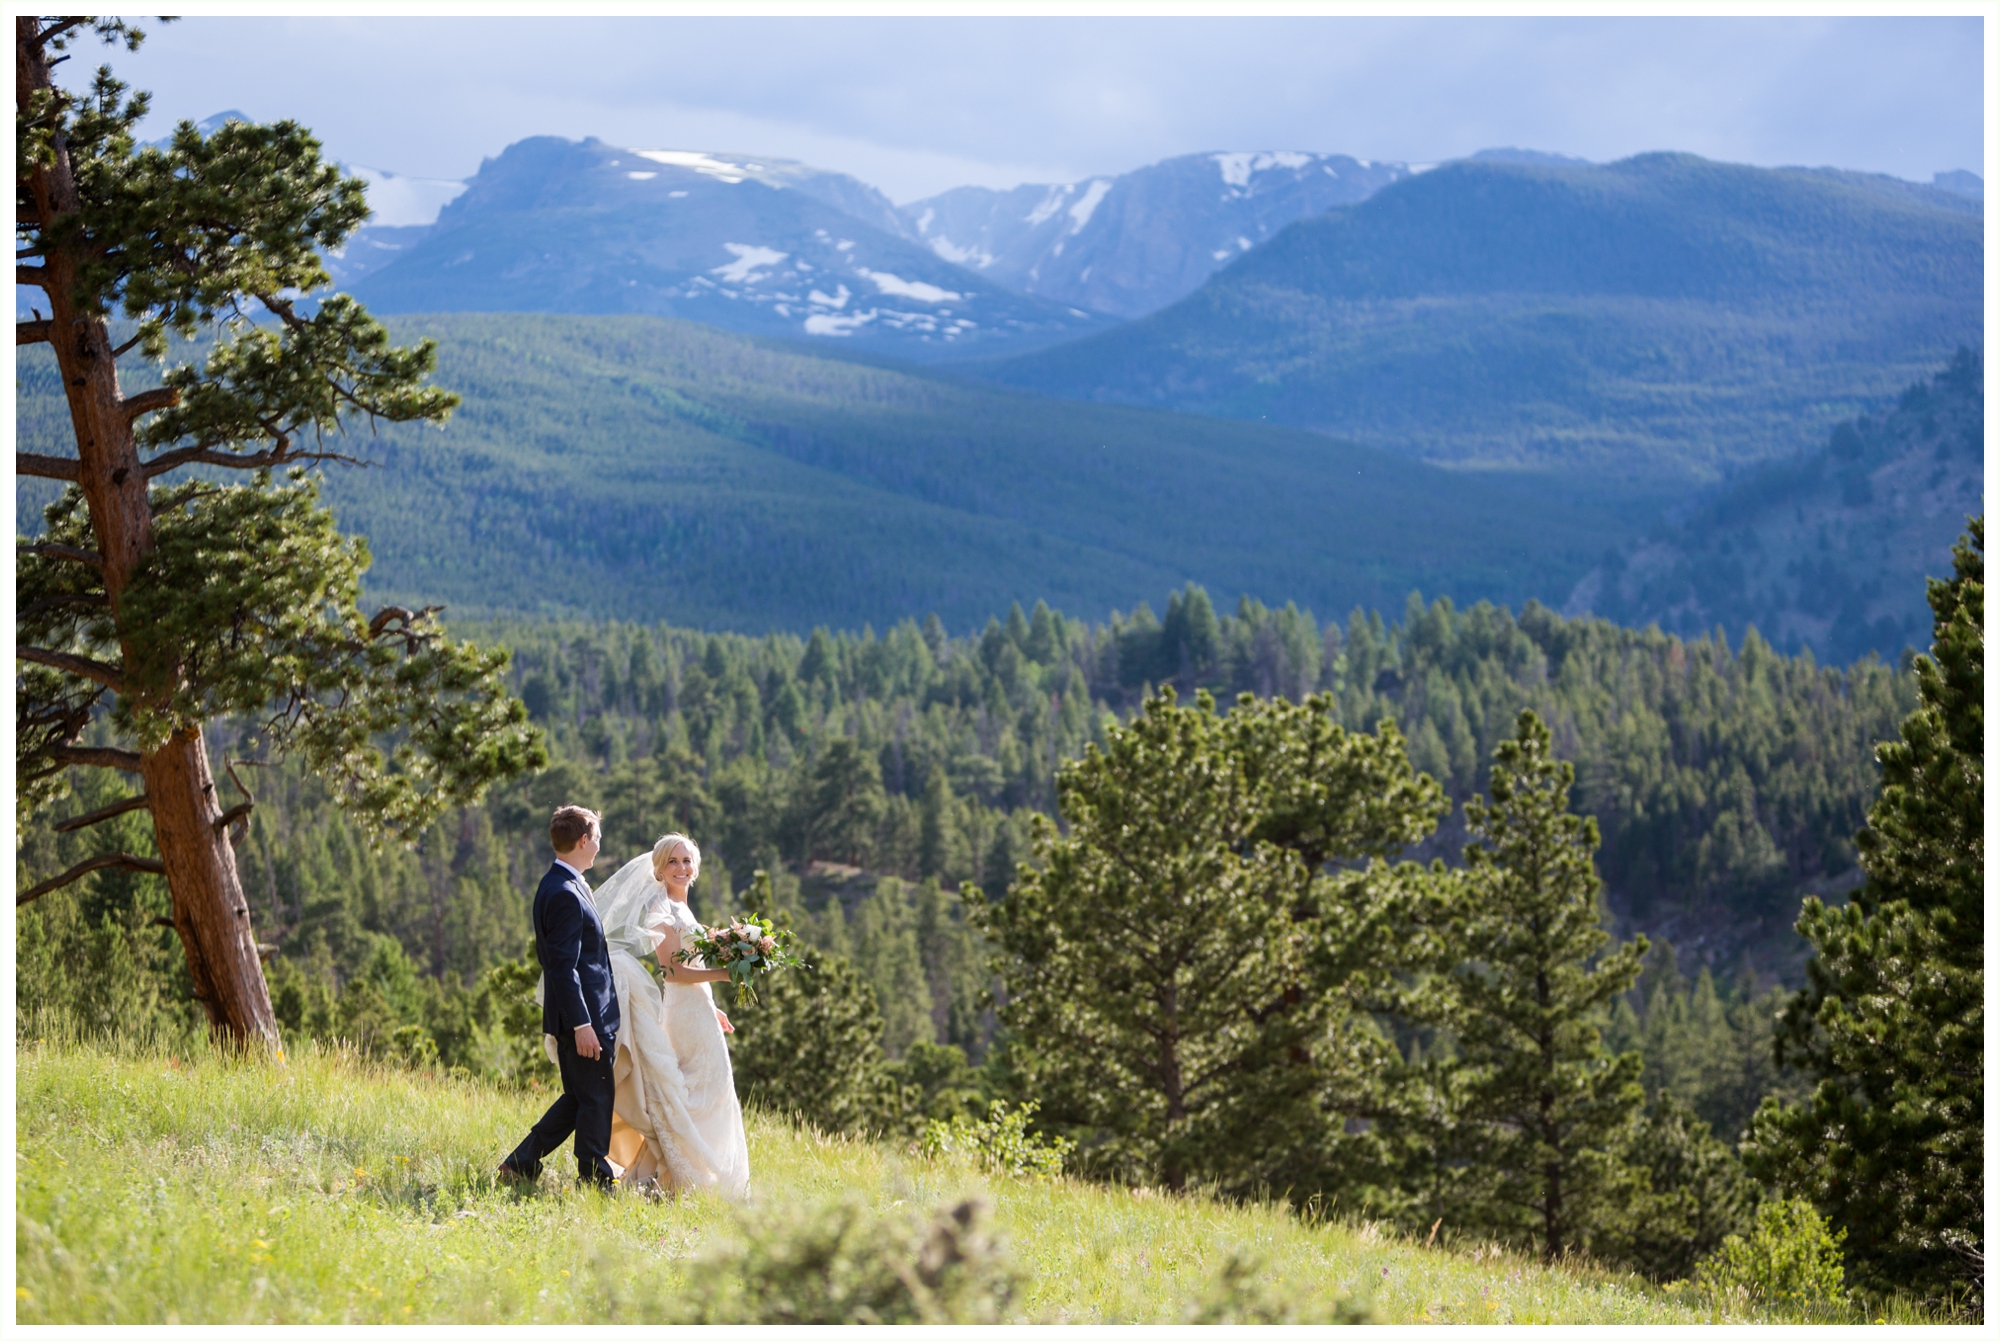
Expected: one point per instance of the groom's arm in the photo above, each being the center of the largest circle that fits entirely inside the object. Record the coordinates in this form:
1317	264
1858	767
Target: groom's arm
564	943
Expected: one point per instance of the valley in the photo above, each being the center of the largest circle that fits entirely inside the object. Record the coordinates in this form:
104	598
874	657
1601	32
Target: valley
644	468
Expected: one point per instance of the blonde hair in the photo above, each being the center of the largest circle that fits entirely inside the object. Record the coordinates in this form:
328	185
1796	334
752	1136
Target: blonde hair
665	848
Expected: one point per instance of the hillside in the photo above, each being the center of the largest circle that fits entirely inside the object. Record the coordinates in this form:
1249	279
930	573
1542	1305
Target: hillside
1828	550
331	1191
650	469
748	244
1132	243
1663	316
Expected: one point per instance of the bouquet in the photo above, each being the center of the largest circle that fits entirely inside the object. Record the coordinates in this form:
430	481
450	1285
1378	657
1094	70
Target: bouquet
748	948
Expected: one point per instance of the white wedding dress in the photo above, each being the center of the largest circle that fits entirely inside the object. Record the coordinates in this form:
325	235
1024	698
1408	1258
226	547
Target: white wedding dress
675	1121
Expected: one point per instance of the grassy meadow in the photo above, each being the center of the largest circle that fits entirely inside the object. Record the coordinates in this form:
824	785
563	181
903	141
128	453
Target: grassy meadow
158	1188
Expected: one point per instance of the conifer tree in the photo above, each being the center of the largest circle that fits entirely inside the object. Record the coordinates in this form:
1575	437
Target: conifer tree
810	1044
1891	1024
172	603
1542	1107
1180	973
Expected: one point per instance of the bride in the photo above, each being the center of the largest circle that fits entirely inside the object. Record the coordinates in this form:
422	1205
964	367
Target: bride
675	1122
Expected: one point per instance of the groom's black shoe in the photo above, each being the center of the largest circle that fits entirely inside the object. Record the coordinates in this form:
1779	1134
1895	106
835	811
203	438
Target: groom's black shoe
512	1176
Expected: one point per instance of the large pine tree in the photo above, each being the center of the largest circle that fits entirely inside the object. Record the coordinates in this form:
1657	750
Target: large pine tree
1542	1109
150	605
1184	980
1890	1146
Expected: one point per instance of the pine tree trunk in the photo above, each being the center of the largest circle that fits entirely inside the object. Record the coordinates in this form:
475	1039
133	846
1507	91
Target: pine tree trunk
1172	1172
210	911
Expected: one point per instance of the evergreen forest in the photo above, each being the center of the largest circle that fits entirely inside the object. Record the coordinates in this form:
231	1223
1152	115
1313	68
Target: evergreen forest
869	788
1645	950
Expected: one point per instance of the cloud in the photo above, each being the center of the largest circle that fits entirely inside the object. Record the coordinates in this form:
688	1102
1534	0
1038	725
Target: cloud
916	105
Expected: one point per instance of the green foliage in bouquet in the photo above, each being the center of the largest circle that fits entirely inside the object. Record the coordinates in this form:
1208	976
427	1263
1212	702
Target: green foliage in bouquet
749	947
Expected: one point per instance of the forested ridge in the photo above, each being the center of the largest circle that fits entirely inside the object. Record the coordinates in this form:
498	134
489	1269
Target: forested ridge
1661	315
1822	550
873	775
640	468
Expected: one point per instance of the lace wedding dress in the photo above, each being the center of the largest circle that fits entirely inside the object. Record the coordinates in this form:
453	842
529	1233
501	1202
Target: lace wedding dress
675	1120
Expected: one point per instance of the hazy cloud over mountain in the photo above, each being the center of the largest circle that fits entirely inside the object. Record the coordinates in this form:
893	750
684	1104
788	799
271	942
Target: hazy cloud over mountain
917	106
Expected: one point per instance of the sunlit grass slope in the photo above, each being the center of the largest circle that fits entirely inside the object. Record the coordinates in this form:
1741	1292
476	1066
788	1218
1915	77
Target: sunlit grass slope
153	1189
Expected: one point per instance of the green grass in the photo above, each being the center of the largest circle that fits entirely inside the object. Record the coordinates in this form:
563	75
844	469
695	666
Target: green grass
153	1188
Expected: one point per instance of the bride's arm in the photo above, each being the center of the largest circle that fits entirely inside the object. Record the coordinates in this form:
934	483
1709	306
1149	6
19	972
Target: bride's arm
670	944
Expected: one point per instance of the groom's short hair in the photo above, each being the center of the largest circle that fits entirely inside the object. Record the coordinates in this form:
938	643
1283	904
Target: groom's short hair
569	826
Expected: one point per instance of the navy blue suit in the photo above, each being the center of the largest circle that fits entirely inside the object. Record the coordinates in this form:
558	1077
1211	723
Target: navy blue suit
577	989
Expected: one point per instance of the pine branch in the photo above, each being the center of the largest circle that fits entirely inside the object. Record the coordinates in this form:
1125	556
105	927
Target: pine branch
159	398
33	332
110	676
55	602
46	467
49	551
240	812
102	814
123	860
378	627
31	274
52	32
96	756
282	309
208	456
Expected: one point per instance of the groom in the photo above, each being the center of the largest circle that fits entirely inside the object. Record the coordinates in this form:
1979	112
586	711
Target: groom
579	1007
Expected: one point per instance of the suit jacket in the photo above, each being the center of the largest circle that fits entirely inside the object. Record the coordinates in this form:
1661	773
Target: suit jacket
576	964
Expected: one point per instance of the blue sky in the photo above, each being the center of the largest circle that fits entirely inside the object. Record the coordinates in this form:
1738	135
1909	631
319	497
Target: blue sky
918	105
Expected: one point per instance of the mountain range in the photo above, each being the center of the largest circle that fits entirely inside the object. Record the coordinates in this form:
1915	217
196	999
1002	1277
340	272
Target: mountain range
750	244
1507	368
1663	316
1129	244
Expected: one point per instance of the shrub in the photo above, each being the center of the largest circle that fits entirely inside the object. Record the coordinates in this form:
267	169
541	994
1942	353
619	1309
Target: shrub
844	1264
1242	1293
1695	1195
1790	1256
1002	1143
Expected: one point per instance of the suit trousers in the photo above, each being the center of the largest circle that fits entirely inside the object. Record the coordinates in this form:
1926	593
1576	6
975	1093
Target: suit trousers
589	1087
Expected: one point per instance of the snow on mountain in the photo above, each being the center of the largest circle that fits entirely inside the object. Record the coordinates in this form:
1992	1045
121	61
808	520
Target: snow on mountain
745	242
1129	244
